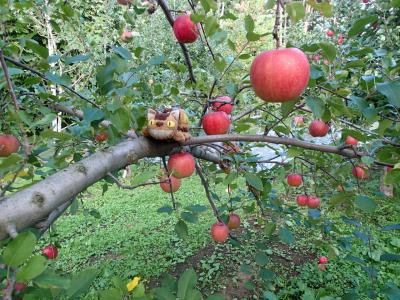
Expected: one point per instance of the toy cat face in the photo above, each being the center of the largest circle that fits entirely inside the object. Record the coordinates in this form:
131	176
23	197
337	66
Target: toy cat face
162	125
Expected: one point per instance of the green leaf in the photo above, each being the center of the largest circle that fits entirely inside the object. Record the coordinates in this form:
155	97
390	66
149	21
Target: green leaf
216	297
325	8
365	203
186	283
360	24
254	181
50	134
120	119
189	217
391	90
197	18
261	258
317	106
77	58
92	114
268	295
34	267
197	208
61	80
267	275
11	160
286	235
81	282
164	294
165	209
36	48
211	25
121	51
142	177
270	4
49	279
395	3
249	23
389	257
270	228
19	249
287	107
111	294
296	11
328	50
181	229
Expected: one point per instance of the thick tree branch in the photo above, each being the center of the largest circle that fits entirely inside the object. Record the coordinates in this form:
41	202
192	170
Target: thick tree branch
185	51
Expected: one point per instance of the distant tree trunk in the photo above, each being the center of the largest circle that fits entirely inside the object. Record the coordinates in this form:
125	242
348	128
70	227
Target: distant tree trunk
52	47
387	190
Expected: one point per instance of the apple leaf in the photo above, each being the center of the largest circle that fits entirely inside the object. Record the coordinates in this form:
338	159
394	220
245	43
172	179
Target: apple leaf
254	181
391	227
360	24
186	284
317	106
81	282
389	257
365	203
391	90
296	11
261	258
328	50
249	23
19	249
181	229
34	267
286	235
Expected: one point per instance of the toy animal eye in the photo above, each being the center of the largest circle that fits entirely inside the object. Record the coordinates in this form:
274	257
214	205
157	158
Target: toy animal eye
152	122
171	124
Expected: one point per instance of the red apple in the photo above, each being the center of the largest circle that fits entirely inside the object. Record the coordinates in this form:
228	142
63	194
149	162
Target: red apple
318	128
340	40
313	202
219	232
294	179
365	1
8	144
50	251
329	33
101	136
359	172
298	120
322	267
216	123
124	2
234	221
185	29
19	286
165	184
389	169
326	62
351	141
302	200
218	106
126	35
280	75
181	165
323	260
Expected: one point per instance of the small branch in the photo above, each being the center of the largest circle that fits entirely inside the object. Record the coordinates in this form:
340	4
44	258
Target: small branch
245	113
334	93
275	32
23	66
233	61
132	187
185	51
241	90
170	182
204	182
53	216
206	104
7	293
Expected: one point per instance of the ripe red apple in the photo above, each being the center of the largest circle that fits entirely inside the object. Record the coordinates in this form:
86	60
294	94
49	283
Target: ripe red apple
318	128
181	165
126	35
165	185
302	200
8	144
298	120
101	136
389	169
365	1
234	221
185	29
326	62
294	179
316	57
124	2
50	251
18	286
323	260
351	141
219	232
280	75
216	123
313	202
218	106
359	172
330	33
340	40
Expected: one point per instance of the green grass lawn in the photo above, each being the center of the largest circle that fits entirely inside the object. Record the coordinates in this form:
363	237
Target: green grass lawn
130	236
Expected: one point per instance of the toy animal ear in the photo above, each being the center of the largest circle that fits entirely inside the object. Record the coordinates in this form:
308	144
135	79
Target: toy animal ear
151	114
175	113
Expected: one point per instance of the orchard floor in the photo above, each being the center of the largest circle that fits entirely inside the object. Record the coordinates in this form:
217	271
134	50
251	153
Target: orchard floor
122	234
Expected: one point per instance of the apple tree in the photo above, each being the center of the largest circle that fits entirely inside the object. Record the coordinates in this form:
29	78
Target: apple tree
90	88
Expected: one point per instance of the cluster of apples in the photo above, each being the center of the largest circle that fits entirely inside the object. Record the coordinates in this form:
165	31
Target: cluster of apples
322	261
330	33
296	180
217	121
8	144
180	165
220	230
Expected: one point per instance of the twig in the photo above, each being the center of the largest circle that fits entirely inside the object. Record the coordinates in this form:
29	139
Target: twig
233	61
21	65
53	216
132	187
204	182
170	182
185	51
275	32
7	293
